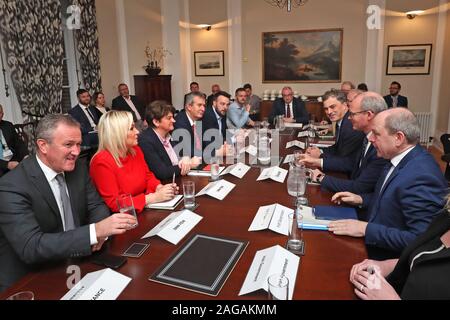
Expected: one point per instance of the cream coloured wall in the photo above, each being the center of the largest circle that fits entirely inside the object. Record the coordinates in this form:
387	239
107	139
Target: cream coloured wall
444	99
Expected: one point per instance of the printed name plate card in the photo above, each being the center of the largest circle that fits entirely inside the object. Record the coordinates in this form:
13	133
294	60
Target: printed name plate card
105	284
270	261
217	189
275	173
273	217
293	125
238	170
175	226
303	134
289	158
295	143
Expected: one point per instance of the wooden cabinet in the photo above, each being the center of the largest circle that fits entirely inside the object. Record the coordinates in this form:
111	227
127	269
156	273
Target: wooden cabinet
313	107
149	89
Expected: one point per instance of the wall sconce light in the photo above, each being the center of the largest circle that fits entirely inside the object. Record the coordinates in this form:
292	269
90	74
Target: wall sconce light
412	14
206	27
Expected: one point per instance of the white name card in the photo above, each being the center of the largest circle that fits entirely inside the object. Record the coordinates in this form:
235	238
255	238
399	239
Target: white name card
321	145
238	170
289	158
295	143
105	284
293	125
269	261
217	189
273	217
175	226
275	173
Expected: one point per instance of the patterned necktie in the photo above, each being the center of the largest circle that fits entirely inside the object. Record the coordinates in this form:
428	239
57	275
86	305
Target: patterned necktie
67	208
288	110
363	150
197	143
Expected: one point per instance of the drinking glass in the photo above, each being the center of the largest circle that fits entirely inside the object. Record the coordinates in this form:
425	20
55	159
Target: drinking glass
23	295
125	204
295	237
278	287
189	194
215	169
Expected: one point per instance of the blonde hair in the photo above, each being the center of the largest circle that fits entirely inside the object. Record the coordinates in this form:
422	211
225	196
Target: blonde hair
113	130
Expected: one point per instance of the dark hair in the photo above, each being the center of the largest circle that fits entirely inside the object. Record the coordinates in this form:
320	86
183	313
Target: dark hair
238	90
50	122
157	110
395	82
363	87
248	86
81	91
221	93
334	93
193	82
122	84
96	94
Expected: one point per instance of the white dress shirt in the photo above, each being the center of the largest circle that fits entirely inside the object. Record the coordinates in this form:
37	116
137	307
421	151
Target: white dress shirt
50	175
133	107
88	114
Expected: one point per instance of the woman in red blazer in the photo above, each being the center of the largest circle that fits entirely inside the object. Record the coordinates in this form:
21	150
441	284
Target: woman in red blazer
119	166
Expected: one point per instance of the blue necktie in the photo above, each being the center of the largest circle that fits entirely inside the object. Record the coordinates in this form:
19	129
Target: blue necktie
363	151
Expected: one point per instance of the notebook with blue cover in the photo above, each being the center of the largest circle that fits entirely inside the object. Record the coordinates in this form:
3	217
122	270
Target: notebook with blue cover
334	213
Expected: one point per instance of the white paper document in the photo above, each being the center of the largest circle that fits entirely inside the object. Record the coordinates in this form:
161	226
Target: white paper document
202	173
293	125
303	134
175	226
275	173
251	150
217	189
166	205
238	170
273	217
269	261
105	284
321	145
310	221
295	143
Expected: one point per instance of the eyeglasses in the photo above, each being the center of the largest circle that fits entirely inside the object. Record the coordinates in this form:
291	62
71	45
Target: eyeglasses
352	114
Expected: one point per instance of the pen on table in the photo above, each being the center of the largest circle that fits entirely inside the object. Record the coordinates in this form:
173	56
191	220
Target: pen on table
173	178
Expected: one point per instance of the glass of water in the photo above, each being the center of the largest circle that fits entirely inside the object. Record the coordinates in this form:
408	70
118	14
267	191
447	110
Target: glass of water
189	194
278	287
125	205
295	238
215	168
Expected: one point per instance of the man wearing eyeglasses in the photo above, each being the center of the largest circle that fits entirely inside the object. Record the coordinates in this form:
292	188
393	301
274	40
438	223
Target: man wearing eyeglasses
348	140
394	99
291	108
367	168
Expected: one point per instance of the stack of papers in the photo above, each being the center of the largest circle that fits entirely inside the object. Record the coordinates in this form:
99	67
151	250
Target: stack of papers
205	172
167	205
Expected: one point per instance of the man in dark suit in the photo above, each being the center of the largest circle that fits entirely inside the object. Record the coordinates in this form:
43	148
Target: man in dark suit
87	116
193	87
187	135
12	148
409	193
394	99
291	108
49	209
365	171
348	141
127	102
214	89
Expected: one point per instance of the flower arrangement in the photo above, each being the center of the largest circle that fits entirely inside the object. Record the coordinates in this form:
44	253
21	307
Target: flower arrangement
154	57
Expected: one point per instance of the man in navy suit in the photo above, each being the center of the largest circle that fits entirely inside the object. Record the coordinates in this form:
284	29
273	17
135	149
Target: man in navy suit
187	135
87	116
291	108
348	140
130	103
368	167
394	99
409	193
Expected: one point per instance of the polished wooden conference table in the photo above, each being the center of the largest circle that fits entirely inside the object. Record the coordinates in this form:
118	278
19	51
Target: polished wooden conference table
323	271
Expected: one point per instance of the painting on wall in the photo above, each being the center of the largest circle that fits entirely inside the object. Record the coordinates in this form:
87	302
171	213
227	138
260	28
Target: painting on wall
209	63
302	56
409	59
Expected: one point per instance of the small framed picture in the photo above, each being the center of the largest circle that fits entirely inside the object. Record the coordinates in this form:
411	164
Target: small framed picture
209	63
410	59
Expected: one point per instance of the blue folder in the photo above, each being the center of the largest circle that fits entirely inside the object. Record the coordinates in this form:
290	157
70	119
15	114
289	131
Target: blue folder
334	213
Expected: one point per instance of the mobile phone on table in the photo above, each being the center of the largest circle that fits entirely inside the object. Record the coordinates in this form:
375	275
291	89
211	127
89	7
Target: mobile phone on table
108	260
135	250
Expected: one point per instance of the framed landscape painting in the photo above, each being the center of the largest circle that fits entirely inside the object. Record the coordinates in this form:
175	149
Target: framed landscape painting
409	59
209	63
302	56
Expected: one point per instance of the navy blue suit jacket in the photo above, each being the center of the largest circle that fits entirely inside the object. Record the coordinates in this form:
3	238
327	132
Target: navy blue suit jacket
156	156
412	196
298	106
183	136
362	178
89	139
348	144
119	103
15	144
402	101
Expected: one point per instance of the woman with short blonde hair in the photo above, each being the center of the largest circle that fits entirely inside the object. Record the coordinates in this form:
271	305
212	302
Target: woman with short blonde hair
119	166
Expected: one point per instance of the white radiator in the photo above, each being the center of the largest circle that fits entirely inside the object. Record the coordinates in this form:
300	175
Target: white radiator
424	119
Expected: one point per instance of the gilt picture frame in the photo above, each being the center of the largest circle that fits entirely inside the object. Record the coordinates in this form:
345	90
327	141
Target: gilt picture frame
413	59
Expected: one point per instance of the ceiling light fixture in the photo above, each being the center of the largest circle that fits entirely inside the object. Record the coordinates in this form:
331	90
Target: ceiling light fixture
412	14
288	4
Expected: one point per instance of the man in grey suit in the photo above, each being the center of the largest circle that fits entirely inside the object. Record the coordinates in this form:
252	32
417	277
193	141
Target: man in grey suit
49	208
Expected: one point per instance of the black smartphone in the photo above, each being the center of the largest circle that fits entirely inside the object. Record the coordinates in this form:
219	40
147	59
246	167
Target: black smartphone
108	260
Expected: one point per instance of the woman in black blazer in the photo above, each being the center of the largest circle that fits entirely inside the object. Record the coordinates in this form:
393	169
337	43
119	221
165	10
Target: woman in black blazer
422	272
156	145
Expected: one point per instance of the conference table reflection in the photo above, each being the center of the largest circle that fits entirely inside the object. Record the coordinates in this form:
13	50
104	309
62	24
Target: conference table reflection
323	271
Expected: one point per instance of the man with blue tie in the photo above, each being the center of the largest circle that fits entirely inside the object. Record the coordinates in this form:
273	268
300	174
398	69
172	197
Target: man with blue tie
409	193
87	116
367	167
348	141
